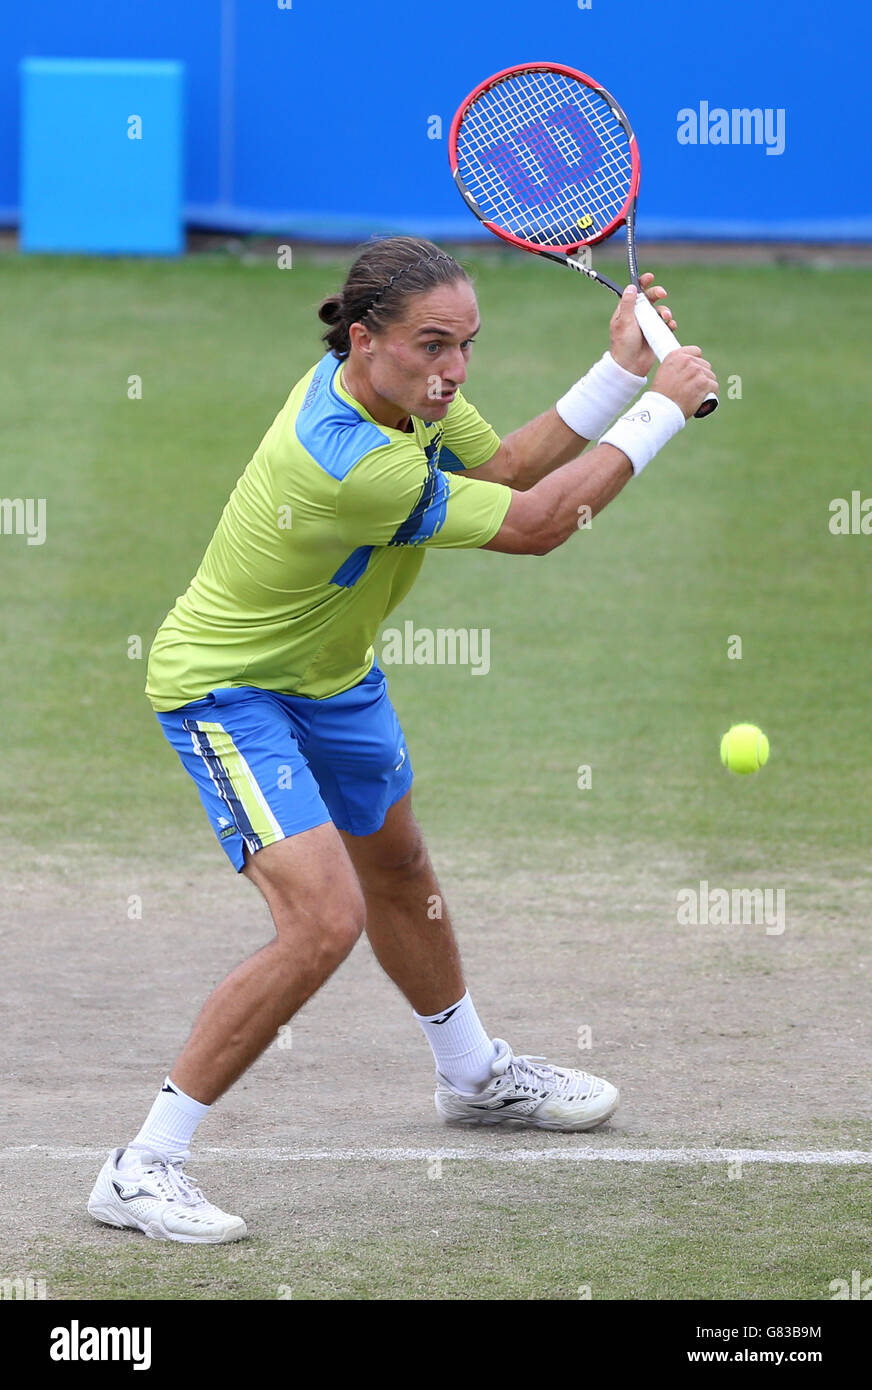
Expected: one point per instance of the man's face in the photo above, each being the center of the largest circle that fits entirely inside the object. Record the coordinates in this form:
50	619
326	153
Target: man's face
419	362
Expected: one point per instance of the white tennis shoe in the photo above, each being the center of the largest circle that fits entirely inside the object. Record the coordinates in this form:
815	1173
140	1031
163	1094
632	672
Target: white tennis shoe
531	1091
160	1199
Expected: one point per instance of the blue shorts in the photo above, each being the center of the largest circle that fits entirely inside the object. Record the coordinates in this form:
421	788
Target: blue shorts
268	765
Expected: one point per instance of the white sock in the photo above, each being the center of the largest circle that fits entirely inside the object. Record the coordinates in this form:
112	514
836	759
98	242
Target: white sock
169	1126
462	1049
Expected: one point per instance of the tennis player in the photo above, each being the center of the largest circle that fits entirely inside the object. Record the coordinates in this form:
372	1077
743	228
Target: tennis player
264	680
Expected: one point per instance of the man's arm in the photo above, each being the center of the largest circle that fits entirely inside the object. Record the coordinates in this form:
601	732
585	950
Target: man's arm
547	514
532	452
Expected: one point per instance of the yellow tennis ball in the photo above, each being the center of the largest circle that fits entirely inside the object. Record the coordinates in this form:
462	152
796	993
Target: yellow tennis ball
744	748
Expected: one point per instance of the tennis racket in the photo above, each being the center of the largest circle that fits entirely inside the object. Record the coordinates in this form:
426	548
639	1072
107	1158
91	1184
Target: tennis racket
546	159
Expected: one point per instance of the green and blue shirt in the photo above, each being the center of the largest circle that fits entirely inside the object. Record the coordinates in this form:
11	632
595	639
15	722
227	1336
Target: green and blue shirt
323	535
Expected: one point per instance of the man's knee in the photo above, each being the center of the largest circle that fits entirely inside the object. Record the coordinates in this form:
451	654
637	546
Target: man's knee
320	937
400	862
319	898
329	929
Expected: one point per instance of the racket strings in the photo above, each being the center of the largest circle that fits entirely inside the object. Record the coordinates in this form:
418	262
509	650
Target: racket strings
546	158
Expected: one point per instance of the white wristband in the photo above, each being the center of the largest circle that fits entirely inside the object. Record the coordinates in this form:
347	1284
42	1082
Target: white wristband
591	403
644	430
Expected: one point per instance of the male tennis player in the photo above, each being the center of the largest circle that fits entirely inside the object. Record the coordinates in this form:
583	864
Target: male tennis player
264	681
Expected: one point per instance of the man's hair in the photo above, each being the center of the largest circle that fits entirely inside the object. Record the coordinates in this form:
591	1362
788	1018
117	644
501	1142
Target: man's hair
385	275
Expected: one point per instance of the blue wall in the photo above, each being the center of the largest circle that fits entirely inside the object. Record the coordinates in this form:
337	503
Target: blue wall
313	120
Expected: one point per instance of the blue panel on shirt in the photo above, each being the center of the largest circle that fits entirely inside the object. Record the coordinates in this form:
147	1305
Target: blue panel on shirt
449	462
330	429
428	514
351	569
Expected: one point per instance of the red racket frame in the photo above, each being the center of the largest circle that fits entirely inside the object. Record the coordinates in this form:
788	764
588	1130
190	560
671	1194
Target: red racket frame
635	164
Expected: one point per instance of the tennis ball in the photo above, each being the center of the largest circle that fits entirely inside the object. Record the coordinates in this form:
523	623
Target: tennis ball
744	748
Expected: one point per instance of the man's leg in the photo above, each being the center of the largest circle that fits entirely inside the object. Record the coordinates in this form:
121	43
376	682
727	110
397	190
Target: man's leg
410	931
480	1080
312	891
317	907
407	920
318	910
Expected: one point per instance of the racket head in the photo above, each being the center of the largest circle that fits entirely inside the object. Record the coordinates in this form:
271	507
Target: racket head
545	158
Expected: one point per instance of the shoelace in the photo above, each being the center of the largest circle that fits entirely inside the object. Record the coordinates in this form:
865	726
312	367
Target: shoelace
174	1183
561	1082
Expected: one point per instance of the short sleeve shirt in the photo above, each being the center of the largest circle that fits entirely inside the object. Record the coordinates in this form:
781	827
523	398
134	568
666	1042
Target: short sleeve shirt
322	537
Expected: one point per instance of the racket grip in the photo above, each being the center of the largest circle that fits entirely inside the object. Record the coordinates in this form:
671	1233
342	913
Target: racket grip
662	341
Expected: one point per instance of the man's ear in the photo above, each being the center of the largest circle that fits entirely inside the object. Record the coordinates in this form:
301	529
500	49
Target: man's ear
361	338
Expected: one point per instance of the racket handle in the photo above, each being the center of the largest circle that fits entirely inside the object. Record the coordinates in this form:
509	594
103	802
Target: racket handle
662	341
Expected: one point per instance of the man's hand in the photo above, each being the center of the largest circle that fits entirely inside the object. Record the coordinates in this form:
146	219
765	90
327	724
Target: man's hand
686	378
627	343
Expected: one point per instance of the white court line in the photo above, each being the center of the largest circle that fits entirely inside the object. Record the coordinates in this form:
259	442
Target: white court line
831	1157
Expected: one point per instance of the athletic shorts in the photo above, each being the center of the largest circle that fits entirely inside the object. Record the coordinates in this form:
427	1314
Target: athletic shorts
268	765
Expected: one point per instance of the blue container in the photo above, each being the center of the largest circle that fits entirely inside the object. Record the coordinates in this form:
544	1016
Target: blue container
101	156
